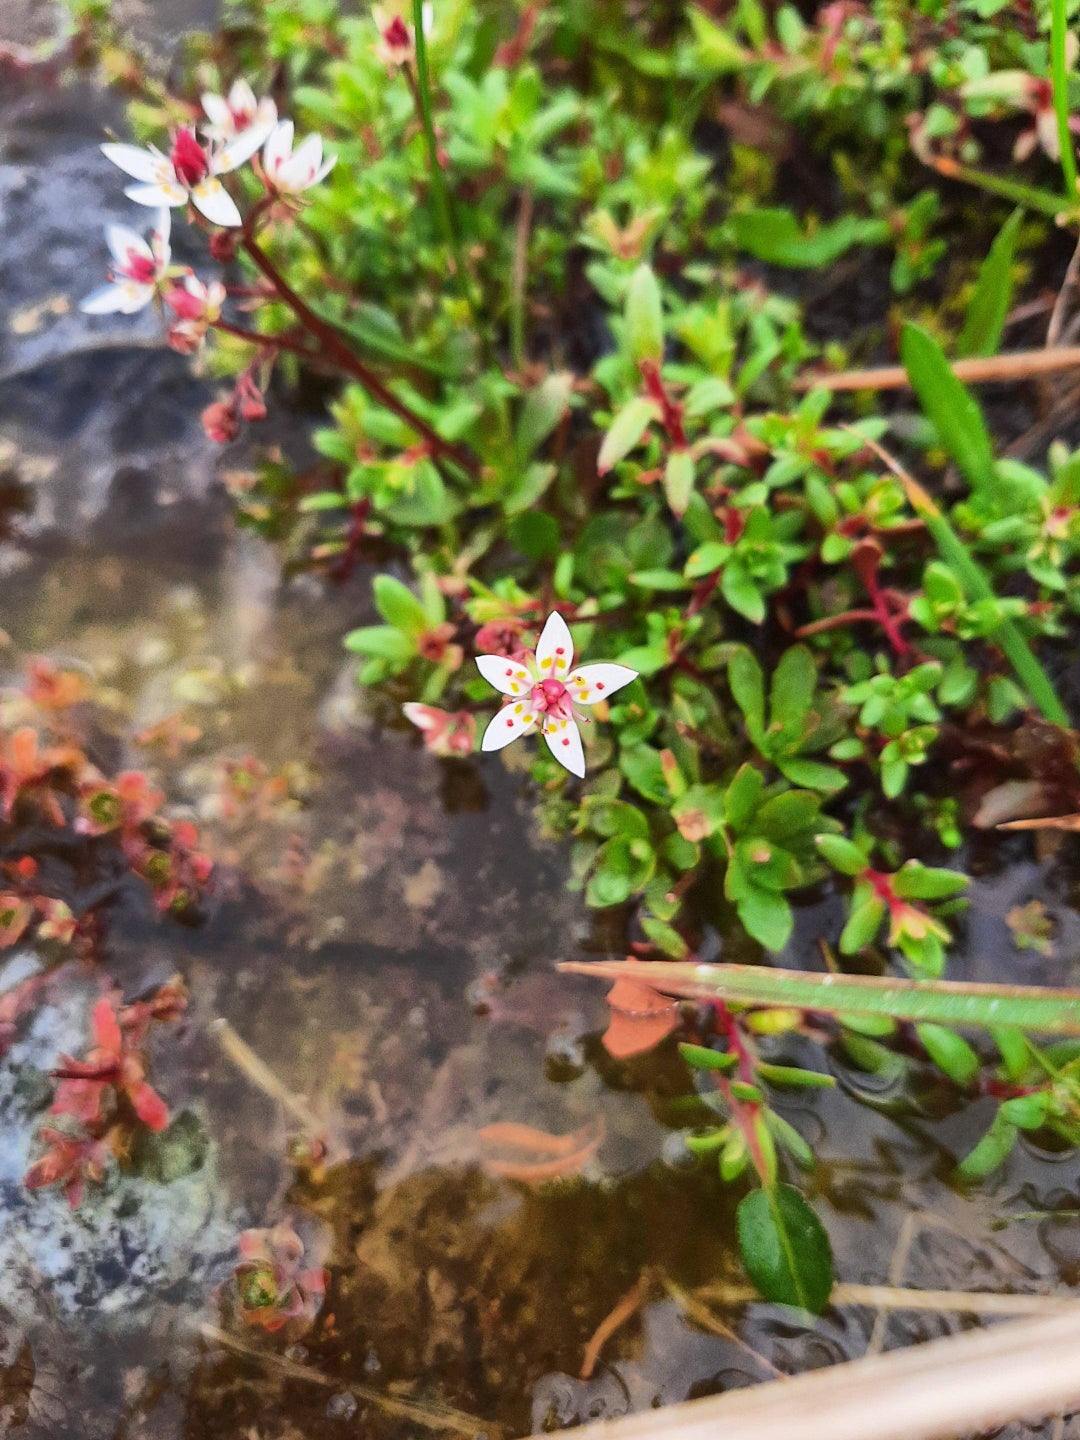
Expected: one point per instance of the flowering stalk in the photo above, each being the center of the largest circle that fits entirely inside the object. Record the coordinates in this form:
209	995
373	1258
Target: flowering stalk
443	207
343	357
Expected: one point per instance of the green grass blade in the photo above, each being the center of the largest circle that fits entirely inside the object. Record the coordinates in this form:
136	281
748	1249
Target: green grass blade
992	296
950	405
1029	1008
1059	69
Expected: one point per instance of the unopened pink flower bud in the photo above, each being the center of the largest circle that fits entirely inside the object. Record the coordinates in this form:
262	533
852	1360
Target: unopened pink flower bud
220	422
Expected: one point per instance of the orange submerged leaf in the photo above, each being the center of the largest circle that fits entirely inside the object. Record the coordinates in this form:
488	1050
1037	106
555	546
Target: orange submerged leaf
640	1019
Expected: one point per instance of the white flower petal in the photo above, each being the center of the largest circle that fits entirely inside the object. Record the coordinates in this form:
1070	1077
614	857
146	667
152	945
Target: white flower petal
159	239
106	300
554	649
324	169
564	741
591	683
508	724
241	98
242	147
159	196
507	676
211	199
216	109
139	164
135	296
123	242
278	145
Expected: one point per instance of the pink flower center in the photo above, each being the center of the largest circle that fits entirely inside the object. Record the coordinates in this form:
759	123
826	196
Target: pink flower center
551	697
138	268
397	34
188	158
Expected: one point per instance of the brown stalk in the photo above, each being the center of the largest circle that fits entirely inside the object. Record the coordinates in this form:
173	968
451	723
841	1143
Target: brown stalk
975	369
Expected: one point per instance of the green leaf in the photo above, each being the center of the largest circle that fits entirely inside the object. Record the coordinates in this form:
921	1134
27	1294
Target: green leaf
794	682
863	924
544	407
842	855
380	640
398	606
949	405
992	296
645	317
535	534
950	1052
812	773
741	593
644	769
993	1150
792	1075
625	432
702	1058
679	481
748	690
775	236
742	795
785	1248
766	916
665	937
716	49
923	882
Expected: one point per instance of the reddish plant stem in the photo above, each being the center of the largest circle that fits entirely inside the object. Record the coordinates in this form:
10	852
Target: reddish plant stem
702	594
865	560
671	413
729	1025
836	622
336	350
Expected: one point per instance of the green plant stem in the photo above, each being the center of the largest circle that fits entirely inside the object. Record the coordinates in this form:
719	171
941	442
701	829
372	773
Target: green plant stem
1025	1007
443	207
1026	195
335	350
1060	75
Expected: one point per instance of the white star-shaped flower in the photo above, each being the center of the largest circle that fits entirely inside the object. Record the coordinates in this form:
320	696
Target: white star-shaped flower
138	271
190	171
289	171
544	692
238	113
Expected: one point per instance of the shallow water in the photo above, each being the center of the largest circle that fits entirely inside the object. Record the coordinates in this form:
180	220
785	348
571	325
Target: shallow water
357	905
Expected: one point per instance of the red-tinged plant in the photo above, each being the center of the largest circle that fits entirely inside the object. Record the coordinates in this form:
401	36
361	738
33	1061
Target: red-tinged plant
178	872
271	1288
14	1003
90	1090
70	1161
126	806
445	732
27	770
51	689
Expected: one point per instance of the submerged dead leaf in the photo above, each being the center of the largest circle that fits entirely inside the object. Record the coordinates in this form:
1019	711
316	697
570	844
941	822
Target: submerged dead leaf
568	1154
640	1019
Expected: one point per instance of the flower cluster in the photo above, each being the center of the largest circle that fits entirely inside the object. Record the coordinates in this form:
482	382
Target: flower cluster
236	128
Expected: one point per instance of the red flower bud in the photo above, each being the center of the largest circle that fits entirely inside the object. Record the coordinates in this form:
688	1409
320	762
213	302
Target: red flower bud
221	422
223	246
